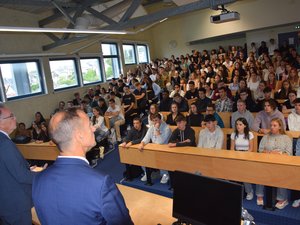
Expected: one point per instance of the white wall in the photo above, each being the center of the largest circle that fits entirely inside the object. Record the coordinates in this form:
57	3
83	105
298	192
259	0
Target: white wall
255	14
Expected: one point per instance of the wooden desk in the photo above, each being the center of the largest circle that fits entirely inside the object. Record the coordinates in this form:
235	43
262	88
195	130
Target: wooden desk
42	151
145	208
257	168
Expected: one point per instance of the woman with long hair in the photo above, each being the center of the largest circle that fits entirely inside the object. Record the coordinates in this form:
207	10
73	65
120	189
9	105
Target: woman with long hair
152	111
275	142
242	140
171	118
283	93
97	121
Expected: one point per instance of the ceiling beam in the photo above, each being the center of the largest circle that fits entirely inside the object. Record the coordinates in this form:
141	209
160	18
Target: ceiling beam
174	11
56	16
144	20
66	42
52	36
71	25
132	8
60	8
101	16
35	3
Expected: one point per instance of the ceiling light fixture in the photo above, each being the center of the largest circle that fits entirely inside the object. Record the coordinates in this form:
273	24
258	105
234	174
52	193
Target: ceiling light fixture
58	30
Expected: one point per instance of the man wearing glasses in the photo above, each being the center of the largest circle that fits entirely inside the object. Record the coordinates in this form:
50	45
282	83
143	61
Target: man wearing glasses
15	175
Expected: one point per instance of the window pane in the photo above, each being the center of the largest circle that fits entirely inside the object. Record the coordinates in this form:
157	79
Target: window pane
22	78
90	69
129	54
142	53
111	67
63	73
109	49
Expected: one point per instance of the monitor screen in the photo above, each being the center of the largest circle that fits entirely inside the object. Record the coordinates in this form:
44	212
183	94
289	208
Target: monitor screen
201	200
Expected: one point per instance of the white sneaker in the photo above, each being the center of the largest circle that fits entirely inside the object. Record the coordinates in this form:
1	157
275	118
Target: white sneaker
164	179
144	178
296	203
249	196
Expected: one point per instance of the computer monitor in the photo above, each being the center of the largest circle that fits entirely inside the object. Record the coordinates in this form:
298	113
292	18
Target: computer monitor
201	200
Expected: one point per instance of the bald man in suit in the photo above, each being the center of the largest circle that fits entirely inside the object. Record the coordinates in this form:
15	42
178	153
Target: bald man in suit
70	191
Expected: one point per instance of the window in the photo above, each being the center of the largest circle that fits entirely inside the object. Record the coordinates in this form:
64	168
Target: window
129	54
21	79
90	70
142	52
111	60
64	73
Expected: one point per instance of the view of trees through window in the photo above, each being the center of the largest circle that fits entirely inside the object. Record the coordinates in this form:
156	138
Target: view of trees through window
90	70
63	73
21	78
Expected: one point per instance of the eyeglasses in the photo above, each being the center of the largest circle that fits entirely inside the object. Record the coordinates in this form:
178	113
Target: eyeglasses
8	117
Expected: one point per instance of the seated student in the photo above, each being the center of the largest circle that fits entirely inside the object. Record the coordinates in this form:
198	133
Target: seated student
177	90
242	140
112	95
263	118
210	110
212	135
202	102
171	118
38	118
244	96
116	117
192	92
134	136
102	104
183	135
128	104
288	105
158	134
195	118
22	131
140	95
267	96
40	133
258	94
77	99
152	111
97	120
183	105
294	116
283	93
61	107
165	102
275	142
242	112
95	100
223	104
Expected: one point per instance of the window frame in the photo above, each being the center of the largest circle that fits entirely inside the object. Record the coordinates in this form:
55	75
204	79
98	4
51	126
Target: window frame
117	56
147	52
77	75
41	77
100	67
134	47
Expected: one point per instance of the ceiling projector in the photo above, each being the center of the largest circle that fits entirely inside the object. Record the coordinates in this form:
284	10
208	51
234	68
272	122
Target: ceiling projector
225	17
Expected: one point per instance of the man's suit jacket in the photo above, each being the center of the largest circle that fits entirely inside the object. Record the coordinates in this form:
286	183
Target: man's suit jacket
71	192
15	179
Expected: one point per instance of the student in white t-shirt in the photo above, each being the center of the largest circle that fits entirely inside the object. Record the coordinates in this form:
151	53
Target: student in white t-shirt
242	140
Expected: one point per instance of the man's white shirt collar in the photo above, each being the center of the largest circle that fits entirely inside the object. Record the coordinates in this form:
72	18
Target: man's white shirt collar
74	157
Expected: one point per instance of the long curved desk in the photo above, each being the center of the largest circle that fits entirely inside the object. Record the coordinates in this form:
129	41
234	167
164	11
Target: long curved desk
257	168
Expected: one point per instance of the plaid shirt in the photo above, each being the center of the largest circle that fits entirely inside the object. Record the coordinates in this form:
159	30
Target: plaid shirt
224	105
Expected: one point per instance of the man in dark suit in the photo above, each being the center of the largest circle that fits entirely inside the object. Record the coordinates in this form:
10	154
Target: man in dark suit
15	176
70	191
